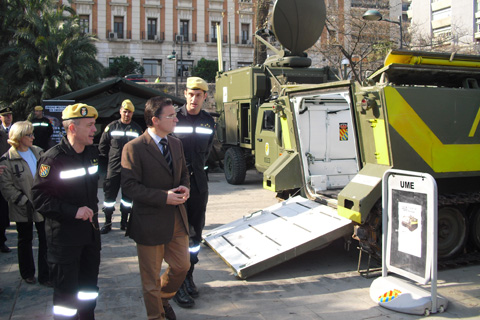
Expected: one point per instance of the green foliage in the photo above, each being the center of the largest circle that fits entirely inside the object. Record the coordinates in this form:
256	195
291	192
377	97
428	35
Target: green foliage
122	65
206	69
43	54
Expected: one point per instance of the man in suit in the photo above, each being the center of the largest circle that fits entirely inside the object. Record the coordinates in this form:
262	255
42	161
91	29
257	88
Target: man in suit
155	177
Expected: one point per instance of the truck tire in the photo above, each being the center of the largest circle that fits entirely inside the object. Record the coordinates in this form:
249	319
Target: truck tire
452	232
475	229
234	166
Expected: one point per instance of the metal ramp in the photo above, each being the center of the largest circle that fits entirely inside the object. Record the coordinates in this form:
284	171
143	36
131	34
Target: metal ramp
276	234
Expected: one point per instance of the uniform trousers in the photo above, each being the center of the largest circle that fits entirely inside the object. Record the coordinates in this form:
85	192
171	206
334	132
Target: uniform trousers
196	208
26	263
4	219
156	287
111	186
74	269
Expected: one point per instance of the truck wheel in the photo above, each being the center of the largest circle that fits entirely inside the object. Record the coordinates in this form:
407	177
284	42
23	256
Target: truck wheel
475	229
234	166
452	232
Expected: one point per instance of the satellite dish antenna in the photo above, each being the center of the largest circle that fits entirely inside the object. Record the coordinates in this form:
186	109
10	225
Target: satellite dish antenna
297	24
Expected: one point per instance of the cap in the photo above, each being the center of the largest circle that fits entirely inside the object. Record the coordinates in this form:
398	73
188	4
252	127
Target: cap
38	108
5	110
79	110
128	105
196	83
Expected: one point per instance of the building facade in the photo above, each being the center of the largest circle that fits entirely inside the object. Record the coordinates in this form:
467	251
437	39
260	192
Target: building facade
151	31
445	25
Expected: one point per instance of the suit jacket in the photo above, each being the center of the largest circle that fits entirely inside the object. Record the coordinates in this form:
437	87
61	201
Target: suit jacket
146	178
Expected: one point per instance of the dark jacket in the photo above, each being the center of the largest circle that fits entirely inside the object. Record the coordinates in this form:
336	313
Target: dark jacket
66	181
146	178
42	129
114	138
196	133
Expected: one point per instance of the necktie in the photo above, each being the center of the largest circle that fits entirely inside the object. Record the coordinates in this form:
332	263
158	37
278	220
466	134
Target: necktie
166	152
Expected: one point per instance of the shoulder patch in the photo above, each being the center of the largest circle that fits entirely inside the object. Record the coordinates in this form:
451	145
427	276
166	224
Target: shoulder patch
44	170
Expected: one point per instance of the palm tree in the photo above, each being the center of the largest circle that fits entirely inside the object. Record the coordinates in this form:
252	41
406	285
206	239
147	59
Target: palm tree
47	56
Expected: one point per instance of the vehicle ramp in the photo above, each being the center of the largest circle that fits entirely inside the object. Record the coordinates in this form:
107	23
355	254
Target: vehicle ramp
276	234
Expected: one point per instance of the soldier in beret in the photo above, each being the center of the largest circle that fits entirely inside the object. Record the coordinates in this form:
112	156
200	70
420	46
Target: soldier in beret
196	129
65	193
116	135
42	128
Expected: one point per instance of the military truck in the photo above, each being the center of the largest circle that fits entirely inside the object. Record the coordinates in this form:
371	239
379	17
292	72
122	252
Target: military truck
333	141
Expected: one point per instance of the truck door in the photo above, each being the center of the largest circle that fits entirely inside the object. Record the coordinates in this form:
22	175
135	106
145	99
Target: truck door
266	141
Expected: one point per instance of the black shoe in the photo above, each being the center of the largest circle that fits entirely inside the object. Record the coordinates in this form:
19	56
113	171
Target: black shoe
182	298
31	280
169	313
47	283
123	226
5	249
191	287
106	228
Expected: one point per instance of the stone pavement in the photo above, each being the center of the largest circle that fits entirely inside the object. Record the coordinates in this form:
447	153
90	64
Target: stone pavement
321	284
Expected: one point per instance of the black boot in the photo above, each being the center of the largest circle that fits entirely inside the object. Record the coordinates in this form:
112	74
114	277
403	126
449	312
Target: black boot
107	226
190	286
182	298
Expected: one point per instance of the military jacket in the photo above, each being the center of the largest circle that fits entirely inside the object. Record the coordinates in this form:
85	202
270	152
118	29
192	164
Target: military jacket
65	181
197	133
114	138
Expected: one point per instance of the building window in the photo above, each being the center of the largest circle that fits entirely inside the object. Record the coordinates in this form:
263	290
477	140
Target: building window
151	28
184	29
442	36
85	24
214	30
245	33
152	67
118	26
184	68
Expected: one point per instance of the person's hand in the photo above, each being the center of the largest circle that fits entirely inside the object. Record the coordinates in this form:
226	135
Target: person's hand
2	168
177	195
84	213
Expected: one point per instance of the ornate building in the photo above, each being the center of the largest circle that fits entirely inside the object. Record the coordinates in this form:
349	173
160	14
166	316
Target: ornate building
152	30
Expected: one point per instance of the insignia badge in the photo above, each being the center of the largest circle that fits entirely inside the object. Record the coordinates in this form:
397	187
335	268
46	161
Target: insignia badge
94	162
343	127
44	171
83	111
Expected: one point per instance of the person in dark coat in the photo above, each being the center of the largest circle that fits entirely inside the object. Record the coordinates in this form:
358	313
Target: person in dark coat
114	138
42	128
196	129
65	193
6	123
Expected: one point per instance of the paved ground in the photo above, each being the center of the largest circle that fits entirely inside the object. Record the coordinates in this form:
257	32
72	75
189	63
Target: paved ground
318	285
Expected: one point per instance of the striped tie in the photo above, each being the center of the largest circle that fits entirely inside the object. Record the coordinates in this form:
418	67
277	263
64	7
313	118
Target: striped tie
166	152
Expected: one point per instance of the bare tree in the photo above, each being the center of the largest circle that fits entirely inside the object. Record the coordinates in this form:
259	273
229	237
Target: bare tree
259	49
351	45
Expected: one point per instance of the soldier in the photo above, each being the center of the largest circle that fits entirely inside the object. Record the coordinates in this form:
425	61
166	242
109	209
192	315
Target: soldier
42	129
113	139
195	129
6	118
65	193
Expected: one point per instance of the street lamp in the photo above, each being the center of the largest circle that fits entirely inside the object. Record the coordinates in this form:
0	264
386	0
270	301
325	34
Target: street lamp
375	15
173	56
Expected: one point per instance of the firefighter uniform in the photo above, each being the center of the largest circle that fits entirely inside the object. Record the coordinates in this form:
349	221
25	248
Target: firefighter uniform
196	133
113	139
42	129
66	181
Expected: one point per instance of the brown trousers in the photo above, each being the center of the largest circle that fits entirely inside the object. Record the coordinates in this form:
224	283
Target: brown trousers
156	287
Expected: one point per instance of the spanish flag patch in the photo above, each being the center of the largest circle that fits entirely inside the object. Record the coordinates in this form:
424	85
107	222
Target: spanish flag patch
44	170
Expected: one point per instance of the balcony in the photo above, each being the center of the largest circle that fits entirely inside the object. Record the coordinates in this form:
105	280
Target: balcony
211	38
115	36
160	37
243	42
191	37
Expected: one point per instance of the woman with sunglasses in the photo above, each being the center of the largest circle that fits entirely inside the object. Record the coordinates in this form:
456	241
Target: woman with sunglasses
16	186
